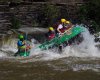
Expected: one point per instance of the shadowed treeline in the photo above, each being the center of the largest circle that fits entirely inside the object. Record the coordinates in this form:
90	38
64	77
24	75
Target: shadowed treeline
45	13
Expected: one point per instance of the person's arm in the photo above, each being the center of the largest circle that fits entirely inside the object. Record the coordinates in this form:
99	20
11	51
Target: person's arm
23	43
58	29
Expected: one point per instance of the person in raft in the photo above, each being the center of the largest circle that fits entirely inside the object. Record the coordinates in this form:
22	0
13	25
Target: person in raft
51	33
64	26
21	45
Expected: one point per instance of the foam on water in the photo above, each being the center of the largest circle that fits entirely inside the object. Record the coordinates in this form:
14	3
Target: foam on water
85	49
8	48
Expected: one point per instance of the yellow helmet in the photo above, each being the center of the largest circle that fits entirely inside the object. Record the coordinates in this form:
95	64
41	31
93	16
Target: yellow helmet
67	22
51	28
63	20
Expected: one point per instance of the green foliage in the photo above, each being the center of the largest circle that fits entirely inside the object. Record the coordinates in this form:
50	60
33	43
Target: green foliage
83	12
46	15
15	23
91	11
51	12
64	12
96	26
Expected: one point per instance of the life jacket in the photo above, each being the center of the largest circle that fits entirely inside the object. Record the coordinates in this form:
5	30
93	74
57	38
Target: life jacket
68	26
21	45
51	35
63	29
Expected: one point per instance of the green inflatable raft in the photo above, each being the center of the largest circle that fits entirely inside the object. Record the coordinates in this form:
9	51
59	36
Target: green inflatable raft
24	53
61	39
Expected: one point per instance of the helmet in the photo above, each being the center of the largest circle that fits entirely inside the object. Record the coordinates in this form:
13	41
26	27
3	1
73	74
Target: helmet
67	22
63	20
51	28
21	37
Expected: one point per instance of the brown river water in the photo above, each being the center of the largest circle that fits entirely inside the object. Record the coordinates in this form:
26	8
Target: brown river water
62	69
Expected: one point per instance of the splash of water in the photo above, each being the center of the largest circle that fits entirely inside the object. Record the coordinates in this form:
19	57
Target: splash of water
9	47
85	49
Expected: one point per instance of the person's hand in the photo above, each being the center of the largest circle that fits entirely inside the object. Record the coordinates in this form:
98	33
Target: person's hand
24	42
61	34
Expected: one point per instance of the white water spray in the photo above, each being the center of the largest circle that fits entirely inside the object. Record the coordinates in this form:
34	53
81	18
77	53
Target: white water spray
85	49
8	48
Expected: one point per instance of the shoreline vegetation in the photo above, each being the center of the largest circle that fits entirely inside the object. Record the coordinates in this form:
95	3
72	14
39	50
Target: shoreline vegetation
45	15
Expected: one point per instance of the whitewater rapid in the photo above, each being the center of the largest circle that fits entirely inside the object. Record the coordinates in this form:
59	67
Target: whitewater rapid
85	49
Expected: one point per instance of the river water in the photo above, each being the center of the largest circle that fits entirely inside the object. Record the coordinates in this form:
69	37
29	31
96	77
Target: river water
76	62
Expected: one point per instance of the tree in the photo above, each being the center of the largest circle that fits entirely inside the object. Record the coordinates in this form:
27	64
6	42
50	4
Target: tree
46	15
15	23
91	11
